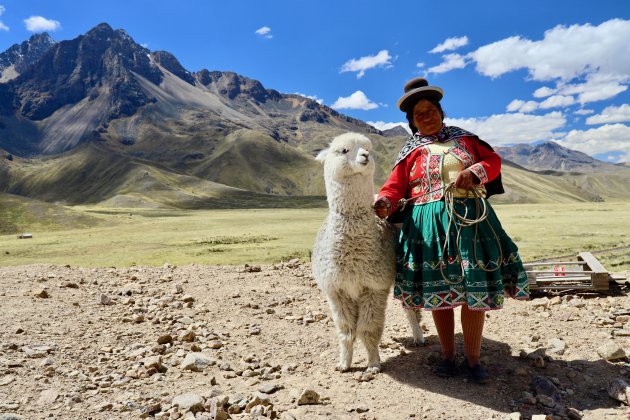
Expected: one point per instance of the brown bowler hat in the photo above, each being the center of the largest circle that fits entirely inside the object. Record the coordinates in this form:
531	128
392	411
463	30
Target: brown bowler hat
417	89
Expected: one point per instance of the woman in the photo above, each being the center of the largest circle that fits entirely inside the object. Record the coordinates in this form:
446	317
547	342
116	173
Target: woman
443	174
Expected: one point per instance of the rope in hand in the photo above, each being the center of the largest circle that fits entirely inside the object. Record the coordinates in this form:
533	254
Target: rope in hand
461	221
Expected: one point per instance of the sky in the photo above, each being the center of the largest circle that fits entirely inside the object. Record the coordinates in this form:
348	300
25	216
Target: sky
512	72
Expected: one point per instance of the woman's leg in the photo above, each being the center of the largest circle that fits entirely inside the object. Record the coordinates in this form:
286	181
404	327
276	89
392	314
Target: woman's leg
472	327
445	325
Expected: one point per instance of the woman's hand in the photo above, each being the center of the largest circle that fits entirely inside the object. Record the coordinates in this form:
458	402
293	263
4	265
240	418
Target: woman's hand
381	208
466	180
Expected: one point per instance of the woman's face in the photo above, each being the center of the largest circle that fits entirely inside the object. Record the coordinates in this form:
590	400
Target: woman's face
427	118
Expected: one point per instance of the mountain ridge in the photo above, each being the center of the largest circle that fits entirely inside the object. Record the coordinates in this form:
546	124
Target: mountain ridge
102	98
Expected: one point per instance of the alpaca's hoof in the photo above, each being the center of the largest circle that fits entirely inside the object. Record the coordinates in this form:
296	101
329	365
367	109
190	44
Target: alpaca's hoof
342	367
373	369
418	341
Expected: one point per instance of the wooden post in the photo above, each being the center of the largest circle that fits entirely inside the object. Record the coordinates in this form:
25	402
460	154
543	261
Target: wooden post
599	275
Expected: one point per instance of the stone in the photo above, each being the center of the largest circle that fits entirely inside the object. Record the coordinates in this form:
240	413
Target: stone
10	416
187	336
6	380
258	400
269	388
105	406
611	351
621	333
556	346
574	414
105	300
41	293
215	344
540	303
308	397
165	339
216	410
48	397
541	417
188	298
197	362
152	362
619	390
513	416
543	386
188	402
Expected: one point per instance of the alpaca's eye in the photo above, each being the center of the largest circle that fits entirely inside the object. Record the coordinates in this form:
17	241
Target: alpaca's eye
344	151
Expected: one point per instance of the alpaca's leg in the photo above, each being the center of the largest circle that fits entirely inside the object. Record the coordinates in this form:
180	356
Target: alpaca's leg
344	314
372	305
415	316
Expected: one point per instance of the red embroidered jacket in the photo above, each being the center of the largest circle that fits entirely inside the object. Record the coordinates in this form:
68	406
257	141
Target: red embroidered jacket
419	174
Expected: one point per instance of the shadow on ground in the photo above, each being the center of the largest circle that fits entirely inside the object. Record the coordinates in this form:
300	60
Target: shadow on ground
555	387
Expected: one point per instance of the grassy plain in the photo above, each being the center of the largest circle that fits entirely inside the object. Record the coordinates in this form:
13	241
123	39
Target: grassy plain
153	237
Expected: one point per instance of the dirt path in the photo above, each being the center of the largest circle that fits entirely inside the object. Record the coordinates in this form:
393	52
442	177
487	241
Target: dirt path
169	341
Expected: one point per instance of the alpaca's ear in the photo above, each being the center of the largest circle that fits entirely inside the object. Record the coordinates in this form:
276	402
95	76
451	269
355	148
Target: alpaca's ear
321	156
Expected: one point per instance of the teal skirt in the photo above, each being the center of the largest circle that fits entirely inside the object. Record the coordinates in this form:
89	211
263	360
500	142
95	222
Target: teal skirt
486	268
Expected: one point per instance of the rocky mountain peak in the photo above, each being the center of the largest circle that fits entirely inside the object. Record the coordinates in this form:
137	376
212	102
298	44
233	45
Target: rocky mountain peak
19	57
172	64
73	70
397	131
232	85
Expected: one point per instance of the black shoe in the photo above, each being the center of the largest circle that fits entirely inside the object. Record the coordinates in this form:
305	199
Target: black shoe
477	374
446	368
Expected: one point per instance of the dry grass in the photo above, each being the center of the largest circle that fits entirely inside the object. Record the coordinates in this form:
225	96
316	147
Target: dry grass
153	237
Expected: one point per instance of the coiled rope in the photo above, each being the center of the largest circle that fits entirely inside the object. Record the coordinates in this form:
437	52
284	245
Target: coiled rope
461	221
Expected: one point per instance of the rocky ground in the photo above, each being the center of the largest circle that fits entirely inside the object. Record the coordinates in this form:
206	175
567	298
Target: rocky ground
218	342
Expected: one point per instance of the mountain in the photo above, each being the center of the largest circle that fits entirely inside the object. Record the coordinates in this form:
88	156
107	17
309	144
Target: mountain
100	119
19	57
550	156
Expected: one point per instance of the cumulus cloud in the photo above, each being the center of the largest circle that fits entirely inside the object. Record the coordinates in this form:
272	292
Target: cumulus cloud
609	138
522	106
584	111
611	114
3	27
543	92
451	62
382	125
557	101
357	100
40	24
562	56
360	65
312	97
264	32
504	129
450	44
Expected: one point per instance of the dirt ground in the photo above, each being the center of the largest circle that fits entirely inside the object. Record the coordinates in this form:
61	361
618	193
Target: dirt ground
225	341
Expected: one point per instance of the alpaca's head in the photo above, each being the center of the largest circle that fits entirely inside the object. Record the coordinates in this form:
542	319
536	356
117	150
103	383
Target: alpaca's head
347	156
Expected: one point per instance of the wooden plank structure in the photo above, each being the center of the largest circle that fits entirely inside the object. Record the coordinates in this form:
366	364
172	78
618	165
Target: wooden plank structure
588	274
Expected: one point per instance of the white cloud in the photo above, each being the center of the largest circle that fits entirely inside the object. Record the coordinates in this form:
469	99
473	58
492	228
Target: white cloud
360	65
451	62
312	97
564	53
382	125
611	114
596	56
420	65
609	138
584	111
543	92
39	24
3	27
557	101
450	44
264	32
512	128
357	100
522	106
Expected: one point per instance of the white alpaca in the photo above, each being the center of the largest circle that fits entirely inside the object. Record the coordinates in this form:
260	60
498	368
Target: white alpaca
354	252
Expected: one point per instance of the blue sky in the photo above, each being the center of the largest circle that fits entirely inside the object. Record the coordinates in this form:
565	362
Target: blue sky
513	72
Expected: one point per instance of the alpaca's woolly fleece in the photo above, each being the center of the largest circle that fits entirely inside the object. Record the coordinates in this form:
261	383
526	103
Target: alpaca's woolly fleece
354	252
